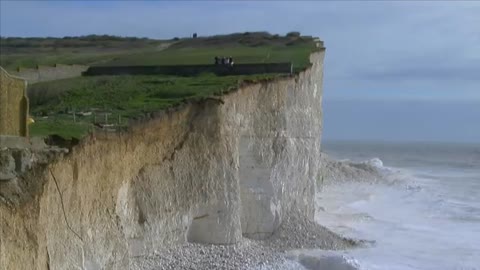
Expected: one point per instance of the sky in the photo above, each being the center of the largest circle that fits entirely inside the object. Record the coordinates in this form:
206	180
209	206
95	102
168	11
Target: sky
380	55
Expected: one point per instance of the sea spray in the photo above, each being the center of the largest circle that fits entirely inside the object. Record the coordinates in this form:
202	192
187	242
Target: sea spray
421	208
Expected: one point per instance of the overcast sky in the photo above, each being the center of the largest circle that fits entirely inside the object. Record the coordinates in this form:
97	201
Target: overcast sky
382	51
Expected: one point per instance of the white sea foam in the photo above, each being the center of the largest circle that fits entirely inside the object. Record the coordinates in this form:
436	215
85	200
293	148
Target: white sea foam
319	260
425	215
375	162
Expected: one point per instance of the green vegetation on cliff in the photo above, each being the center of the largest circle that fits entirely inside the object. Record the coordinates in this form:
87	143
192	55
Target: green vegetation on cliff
248	47
122	98
127	94
244	48
118	99
30	52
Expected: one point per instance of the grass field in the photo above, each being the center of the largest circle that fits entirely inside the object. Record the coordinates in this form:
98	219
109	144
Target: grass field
65	128
61	56
127	97
249	47
244	48
87	50
298	55
128	94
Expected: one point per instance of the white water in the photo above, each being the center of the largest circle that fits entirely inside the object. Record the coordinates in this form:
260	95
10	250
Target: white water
424	215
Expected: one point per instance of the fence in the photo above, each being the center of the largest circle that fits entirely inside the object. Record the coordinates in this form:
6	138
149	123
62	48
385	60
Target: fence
77	124
191	70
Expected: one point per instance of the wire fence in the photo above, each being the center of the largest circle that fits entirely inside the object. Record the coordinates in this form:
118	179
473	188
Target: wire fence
74	122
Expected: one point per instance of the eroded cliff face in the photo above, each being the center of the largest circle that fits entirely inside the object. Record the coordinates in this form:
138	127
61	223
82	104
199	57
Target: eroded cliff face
208	172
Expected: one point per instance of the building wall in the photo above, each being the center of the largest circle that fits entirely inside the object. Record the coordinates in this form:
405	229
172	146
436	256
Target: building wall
13	105
191	70
50	73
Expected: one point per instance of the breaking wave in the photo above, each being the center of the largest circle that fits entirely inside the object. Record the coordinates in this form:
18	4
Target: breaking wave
421	214
368	171
322	259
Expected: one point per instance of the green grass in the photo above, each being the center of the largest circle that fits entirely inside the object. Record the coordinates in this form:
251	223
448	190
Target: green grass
28	60
30	52
298	55
129	97
249	47
127	94
64	128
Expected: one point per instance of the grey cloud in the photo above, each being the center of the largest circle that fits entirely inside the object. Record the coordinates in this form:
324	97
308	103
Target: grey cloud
370	45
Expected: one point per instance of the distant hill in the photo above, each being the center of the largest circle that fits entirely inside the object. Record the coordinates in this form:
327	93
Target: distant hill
249	39
29	52
12	45
248	47
123	98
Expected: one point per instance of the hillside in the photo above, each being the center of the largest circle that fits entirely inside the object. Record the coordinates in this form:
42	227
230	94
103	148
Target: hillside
248	47
30	52
117	100
72	107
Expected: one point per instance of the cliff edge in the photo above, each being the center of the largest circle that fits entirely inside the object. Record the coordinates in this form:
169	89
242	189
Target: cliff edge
208	172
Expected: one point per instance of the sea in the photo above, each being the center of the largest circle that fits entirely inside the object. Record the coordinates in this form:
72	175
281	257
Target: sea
424	212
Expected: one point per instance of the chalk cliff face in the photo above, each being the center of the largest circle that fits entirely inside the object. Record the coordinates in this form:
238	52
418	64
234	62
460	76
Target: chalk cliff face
207	172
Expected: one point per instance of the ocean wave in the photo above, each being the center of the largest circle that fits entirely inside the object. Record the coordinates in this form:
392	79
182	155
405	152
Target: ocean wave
371	171
327	260
421	216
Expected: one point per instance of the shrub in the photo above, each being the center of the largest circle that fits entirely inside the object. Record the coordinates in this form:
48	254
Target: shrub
293	34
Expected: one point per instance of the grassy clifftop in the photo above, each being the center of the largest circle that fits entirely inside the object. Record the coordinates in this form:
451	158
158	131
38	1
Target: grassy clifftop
30	52
248	47
116	100
256	47
71	107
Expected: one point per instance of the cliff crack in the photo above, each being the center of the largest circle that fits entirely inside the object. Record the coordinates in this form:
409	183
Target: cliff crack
179	146
63	206
48	259
218	100
200	217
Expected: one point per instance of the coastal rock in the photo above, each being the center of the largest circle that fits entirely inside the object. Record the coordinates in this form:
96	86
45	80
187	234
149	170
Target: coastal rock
7	166
19	182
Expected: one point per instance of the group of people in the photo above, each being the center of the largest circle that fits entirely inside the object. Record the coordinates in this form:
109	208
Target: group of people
224	61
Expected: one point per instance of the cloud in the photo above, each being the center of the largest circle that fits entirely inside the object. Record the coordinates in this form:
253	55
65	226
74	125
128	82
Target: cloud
377	48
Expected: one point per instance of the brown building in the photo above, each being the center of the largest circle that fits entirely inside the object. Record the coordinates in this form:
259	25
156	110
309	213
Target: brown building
13	105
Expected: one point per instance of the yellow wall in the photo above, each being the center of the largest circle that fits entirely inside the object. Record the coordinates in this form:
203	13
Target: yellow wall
13	105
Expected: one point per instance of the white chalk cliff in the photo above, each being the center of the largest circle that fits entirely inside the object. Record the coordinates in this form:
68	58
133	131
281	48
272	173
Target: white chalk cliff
208	172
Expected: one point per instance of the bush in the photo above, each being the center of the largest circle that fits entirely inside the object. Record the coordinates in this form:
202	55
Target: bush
293	34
